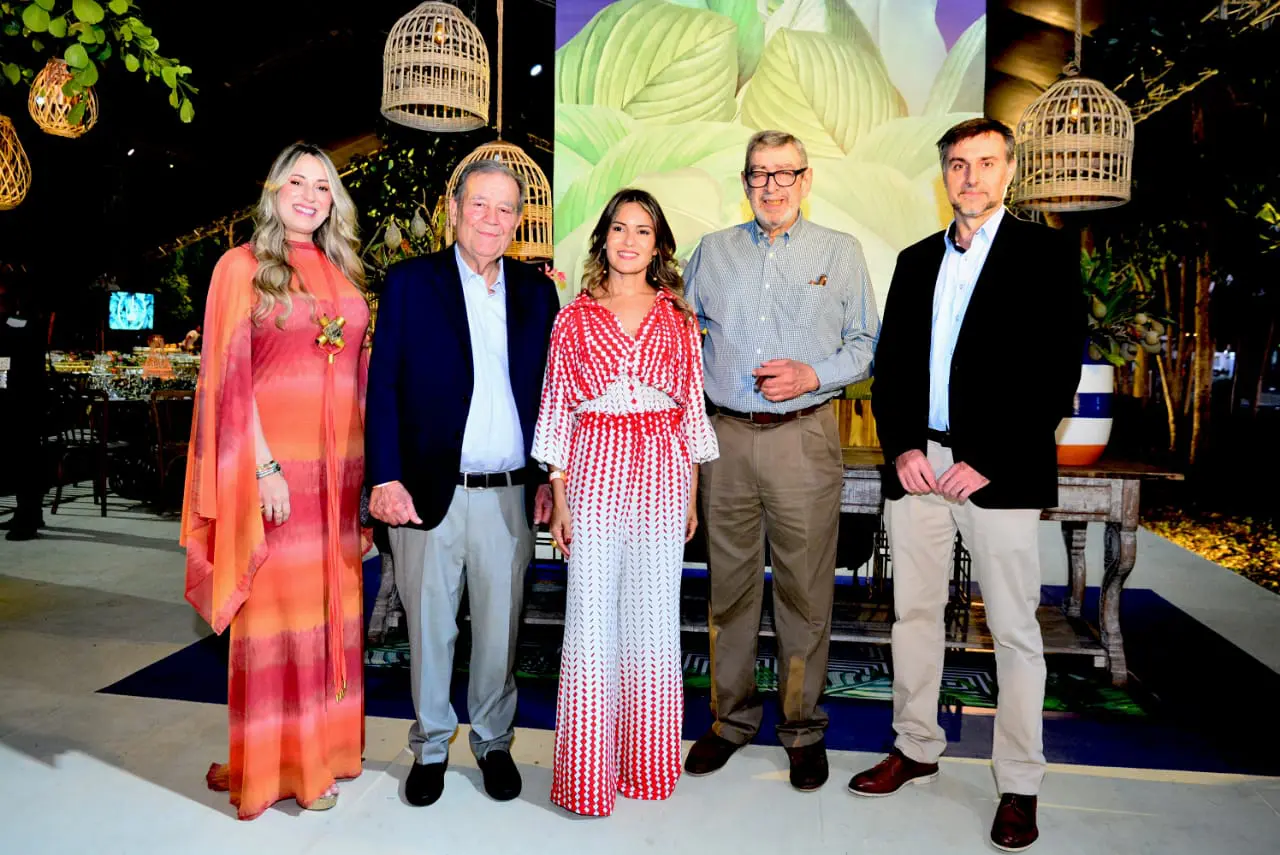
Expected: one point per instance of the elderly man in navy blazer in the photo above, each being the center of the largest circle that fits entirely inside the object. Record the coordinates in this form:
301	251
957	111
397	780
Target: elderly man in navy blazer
454	388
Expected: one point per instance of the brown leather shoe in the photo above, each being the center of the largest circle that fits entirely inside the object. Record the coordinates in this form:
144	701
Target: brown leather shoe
808	766
892	774
708	754
1015	827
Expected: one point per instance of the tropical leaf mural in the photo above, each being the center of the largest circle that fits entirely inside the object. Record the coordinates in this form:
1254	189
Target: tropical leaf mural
664	94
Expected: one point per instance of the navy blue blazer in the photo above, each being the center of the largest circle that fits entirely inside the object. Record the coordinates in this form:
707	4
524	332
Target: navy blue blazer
421	374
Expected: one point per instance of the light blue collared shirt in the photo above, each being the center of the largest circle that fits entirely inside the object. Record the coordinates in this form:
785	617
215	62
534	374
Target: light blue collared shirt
492	440
805	295
957	275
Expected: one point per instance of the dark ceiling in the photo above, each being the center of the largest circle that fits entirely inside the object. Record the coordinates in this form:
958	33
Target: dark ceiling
269	73
1028	43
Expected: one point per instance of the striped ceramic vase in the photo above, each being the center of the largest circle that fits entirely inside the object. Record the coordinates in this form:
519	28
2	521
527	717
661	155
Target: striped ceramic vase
1083	437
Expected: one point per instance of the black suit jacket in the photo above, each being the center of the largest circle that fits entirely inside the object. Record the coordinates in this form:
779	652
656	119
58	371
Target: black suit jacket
421	375
1015	368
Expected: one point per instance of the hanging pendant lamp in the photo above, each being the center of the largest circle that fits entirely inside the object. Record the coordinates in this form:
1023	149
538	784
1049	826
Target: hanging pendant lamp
1074	145
435	71
532	239
51	109
15	168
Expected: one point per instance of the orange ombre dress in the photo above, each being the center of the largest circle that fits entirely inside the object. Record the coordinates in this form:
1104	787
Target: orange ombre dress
292	593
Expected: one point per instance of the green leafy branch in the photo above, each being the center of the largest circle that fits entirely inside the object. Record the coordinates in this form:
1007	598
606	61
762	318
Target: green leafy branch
1120	323
85	35
1267	214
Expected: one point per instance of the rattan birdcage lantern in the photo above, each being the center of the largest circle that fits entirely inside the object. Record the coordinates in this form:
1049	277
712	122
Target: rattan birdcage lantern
51	108
532	240
15	168
1074	148
435	71
1074	145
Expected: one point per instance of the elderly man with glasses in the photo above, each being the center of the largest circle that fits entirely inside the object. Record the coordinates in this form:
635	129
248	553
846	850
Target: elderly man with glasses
790	320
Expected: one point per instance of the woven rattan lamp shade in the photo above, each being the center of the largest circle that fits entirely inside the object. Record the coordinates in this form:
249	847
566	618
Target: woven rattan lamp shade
533	236
15	169
435	71
1074	146
50	108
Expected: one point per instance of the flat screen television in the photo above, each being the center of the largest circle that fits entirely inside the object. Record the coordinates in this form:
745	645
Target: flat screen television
132	311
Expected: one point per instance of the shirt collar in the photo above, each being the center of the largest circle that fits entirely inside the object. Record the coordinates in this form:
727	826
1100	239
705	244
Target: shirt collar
758	234
466	274
987	232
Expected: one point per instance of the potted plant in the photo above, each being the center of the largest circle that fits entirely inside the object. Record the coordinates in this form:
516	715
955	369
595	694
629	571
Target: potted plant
1120	327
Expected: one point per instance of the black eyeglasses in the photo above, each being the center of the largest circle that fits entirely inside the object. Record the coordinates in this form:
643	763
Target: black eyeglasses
783	177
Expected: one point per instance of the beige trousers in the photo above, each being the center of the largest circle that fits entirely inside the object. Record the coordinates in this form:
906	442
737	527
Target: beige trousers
1006	562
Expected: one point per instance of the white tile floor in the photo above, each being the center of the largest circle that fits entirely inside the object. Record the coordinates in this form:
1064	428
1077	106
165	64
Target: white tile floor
96	599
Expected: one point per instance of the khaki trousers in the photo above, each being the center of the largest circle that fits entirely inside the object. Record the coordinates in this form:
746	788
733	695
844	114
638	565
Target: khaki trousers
783	481
1006	560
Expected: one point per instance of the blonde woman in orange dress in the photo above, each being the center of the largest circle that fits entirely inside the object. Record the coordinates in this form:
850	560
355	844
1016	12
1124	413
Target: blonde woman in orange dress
271	513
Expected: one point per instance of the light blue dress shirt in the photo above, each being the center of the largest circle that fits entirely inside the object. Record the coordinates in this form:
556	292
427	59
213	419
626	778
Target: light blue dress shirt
492	440
957	276
805	295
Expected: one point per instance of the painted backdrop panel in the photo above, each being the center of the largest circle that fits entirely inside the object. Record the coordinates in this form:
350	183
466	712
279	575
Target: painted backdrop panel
663	95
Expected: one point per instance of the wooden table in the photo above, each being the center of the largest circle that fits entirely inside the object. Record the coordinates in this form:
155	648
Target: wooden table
1105	492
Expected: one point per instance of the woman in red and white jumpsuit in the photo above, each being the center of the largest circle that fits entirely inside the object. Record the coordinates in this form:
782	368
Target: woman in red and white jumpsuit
622	428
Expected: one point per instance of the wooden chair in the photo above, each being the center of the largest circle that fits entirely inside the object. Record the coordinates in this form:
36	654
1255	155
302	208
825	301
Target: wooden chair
82	432
171	414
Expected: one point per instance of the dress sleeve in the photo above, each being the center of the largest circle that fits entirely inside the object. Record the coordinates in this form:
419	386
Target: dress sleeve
698	432
222	527
554	430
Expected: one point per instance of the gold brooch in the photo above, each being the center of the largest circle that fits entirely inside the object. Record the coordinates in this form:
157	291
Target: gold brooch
331	335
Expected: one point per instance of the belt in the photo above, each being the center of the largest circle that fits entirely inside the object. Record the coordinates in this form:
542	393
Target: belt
941	437
487	480
767	418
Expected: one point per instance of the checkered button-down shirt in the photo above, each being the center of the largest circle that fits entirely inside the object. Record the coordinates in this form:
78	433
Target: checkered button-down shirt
804	296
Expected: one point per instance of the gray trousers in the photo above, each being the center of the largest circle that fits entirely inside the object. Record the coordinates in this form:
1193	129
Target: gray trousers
1006	559
485	543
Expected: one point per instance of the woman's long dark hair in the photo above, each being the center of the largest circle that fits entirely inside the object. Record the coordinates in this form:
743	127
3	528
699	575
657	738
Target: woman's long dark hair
662	273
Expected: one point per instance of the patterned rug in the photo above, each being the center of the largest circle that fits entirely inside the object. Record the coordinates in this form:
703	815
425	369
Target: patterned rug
1180	710
861	672
854	672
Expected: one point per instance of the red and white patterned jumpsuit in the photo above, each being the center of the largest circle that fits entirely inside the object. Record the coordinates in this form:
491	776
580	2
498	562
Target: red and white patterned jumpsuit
626	419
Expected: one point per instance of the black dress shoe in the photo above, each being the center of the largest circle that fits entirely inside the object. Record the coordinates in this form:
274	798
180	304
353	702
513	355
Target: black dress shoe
808	766
21	534
1015	828
425	783
709	753
501	777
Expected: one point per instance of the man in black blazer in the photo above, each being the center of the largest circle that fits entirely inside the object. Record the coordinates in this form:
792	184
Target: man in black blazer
978	360
454	387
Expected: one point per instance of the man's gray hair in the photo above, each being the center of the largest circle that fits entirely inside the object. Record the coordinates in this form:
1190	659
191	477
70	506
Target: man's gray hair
774	139
480	167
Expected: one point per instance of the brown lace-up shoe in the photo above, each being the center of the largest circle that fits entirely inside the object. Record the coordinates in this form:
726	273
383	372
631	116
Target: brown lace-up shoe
892	774
1015	826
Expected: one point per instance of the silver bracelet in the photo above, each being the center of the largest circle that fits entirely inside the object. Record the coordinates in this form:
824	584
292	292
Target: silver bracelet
266	469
